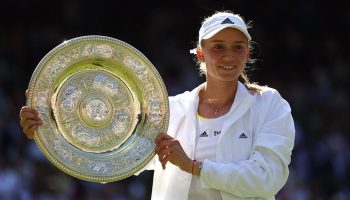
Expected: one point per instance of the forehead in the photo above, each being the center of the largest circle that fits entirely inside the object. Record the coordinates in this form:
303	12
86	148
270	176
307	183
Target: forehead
230	34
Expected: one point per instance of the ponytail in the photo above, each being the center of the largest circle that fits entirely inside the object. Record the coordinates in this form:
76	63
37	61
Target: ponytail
253	87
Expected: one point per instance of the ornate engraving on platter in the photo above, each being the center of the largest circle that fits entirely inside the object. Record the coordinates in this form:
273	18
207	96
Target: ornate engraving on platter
99	167
93	115
102	103
136	65
98	49
66	155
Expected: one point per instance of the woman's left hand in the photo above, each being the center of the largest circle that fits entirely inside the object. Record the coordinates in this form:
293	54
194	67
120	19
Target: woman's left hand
170	149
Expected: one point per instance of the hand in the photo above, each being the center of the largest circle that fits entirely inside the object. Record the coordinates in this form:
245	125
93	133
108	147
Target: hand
29	120
170	149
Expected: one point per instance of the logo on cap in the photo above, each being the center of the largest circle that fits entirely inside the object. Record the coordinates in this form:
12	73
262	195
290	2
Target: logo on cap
227	21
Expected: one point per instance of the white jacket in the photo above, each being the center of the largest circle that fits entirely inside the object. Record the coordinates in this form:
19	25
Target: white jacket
255	167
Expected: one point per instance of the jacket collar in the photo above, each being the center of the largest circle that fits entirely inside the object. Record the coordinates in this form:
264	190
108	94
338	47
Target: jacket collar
242	102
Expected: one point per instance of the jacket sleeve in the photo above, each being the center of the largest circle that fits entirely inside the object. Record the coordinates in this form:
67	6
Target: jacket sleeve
266	170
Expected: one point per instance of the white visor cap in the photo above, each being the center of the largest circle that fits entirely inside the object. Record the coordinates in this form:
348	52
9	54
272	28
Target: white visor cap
220	21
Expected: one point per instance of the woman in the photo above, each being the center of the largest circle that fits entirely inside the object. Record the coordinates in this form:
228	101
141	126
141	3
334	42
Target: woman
228	138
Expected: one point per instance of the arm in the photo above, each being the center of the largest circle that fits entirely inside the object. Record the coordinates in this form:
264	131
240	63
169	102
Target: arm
266	170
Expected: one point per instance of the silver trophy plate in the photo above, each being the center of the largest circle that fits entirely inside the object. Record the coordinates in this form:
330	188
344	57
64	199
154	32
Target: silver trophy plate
102	104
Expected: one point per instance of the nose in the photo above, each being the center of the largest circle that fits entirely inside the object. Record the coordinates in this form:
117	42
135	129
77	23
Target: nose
227	57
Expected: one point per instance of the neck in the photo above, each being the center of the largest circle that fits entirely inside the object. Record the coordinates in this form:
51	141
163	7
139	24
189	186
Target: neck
220	93
216	99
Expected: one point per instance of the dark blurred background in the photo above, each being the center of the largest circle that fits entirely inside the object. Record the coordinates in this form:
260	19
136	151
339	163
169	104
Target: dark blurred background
302	47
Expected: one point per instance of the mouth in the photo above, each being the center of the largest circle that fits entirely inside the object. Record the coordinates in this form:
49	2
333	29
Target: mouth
227	67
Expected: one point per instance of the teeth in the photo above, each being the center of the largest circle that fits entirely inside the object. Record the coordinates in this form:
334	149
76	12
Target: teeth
227	67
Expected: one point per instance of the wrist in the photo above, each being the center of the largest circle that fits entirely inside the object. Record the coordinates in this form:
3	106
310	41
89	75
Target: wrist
188	167
197	168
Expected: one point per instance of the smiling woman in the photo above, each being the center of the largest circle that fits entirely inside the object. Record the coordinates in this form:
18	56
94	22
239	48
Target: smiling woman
241	46
225	55
227	138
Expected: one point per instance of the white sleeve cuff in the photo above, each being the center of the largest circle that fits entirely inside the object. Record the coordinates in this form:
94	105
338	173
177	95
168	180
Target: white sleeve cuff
203	174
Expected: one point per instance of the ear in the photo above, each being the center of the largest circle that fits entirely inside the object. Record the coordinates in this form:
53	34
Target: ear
248	54
200	54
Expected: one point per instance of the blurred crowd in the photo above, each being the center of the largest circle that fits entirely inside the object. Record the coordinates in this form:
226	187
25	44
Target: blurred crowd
301	47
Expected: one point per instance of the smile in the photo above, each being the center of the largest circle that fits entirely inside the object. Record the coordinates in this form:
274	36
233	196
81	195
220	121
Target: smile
229	67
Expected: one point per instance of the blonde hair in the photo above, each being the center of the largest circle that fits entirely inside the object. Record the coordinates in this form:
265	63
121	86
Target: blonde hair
243	78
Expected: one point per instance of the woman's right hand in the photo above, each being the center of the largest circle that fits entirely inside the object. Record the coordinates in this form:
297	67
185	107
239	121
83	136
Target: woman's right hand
30	121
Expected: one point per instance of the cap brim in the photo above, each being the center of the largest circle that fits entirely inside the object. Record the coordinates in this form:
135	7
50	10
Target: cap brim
215	31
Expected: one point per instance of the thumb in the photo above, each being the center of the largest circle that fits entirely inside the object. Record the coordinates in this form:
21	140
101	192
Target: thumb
26	93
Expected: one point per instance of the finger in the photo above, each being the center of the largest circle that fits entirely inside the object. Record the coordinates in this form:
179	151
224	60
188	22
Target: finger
160	138
30	109
29	113
164	165
161	158
31	131
26	93
165	152
29	116
27	125
163	136
26	109
167	143
164	144
165	160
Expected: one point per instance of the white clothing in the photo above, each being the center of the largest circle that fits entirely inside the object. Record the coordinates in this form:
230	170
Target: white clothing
255	167
207	136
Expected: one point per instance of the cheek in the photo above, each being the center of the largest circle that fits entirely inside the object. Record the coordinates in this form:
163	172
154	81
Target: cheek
242	57
212	56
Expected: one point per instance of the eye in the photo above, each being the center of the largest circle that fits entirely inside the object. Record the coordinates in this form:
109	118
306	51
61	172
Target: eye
218	46
238	47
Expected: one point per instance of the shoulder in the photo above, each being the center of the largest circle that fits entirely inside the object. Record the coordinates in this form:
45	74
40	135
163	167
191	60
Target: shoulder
187	96
180	102
270	98
179	97
266	93
272	111
260	92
